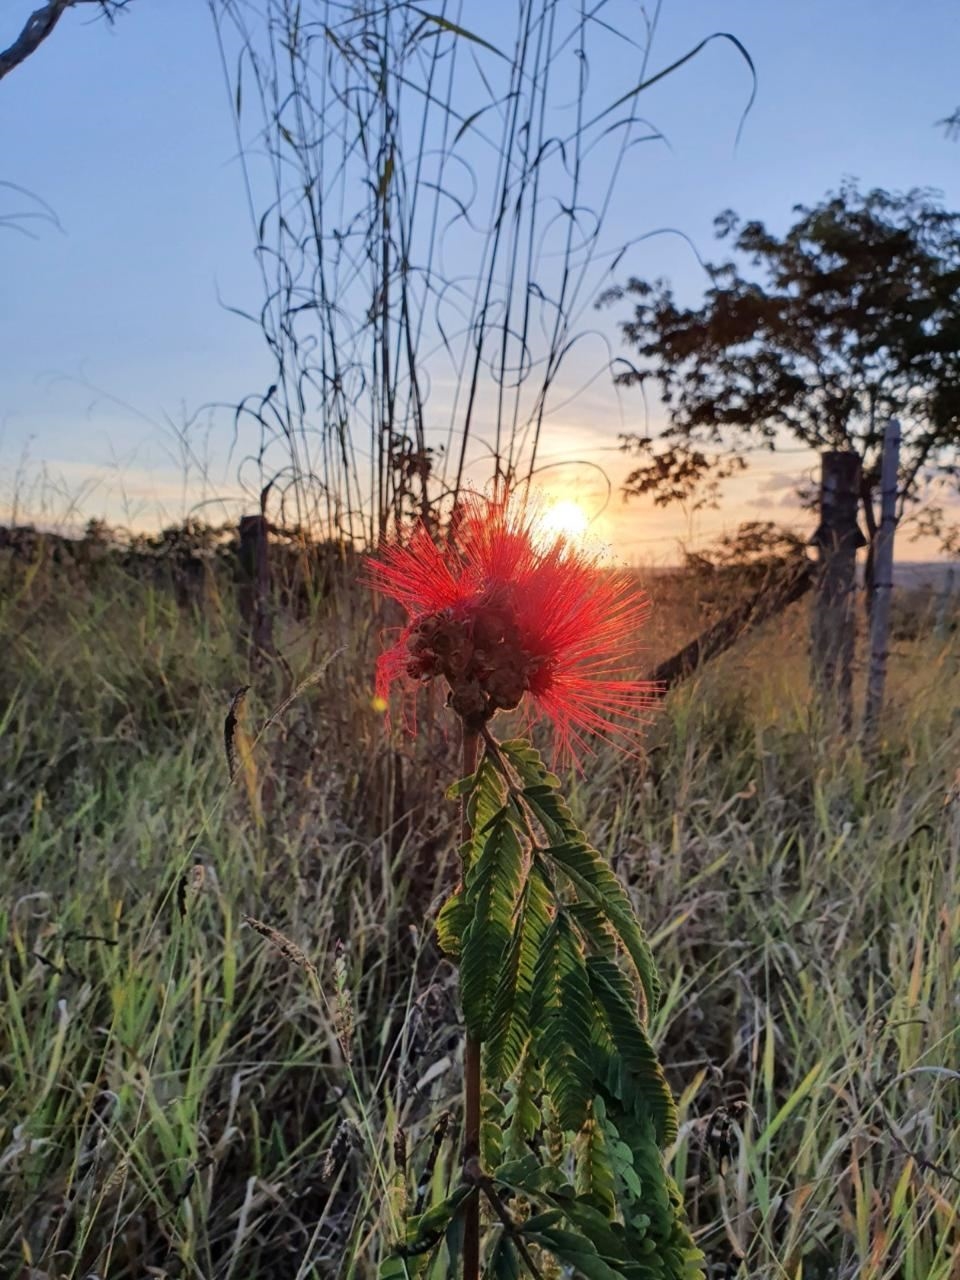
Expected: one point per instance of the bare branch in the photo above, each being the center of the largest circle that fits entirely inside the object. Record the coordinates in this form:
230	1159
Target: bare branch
40	24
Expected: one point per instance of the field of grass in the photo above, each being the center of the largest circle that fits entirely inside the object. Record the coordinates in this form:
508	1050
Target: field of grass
186	1094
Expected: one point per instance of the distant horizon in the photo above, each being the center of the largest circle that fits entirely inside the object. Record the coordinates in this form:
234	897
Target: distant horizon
905	567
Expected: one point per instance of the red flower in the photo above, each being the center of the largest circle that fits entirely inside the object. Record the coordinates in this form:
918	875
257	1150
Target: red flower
500	613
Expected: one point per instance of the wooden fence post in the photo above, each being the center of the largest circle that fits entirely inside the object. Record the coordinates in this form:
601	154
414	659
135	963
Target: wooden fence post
833	631
255	584
882	579
772	598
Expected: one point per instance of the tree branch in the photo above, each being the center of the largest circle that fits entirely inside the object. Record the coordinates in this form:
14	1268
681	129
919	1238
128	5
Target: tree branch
39	25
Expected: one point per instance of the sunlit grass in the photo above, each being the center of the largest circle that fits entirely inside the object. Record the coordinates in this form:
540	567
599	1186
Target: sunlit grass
179	1097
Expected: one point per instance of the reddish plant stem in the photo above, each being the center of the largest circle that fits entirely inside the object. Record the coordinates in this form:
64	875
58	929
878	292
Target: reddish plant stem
471	1071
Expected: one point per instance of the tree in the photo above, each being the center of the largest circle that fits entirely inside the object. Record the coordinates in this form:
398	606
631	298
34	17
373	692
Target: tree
41	23
853	317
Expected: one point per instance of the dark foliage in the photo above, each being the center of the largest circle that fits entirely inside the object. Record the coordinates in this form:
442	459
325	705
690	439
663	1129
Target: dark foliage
849	318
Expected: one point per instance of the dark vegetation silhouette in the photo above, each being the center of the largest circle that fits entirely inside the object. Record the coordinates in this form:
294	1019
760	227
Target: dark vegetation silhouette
429	205
40	24
815	338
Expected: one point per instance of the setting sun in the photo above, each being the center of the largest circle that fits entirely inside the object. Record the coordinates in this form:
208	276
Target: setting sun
564	519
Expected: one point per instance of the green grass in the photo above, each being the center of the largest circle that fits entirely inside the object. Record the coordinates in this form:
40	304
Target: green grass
180	1095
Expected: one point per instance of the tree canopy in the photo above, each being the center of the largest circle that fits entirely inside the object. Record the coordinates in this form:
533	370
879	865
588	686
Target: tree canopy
851	317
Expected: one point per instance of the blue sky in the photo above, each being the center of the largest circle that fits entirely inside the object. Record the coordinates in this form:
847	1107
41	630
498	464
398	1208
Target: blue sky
113	328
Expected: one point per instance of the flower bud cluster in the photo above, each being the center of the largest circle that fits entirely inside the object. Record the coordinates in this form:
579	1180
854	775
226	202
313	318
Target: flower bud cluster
477	647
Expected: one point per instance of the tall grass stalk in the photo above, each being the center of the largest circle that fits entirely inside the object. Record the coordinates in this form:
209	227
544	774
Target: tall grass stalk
429	191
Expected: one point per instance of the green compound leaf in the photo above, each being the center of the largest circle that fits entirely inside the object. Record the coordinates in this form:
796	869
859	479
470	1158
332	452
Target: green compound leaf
595	1175
492	1113
509	1027
424	1234
438	1215
596	884
573	1250
649	1202
486	796
525	1116
451	923
528	762
588	873
561	1018
491	896
631	1072
505	1260
557	979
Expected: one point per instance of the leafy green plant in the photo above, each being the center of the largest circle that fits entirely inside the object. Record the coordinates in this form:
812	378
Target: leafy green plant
566	1108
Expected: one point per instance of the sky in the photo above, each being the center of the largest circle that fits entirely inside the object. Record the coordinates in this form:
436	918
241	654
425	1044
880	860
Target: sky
117	321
